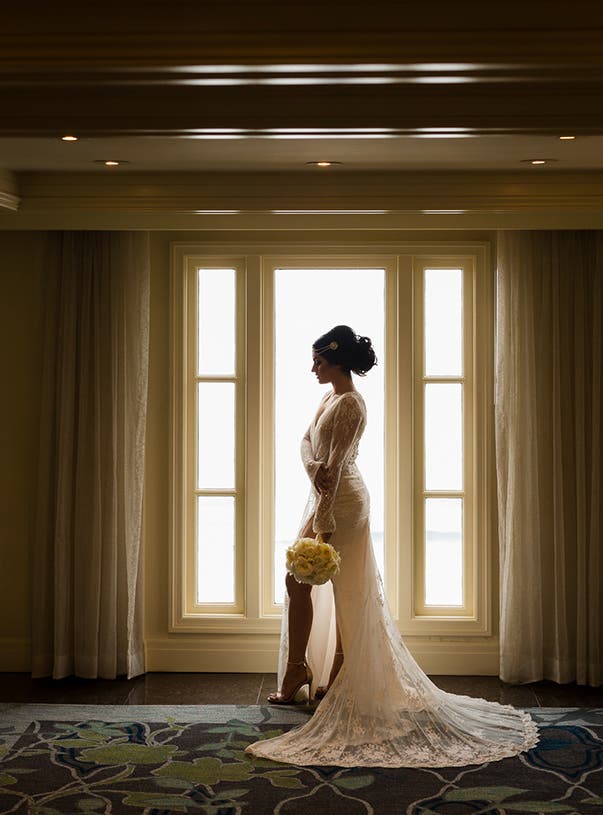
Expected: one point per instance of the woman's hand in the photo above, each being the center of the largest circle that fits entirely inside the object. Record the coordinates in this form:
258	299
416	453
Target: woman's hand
322	480
308	531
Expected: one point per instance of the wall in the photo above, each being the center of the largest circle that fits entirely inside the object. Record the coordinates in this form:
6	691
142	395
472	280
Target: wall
21	342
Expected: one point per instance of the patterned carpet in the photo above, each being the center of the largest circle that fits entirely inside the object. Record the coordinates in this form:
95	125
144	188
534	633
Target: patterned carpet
156	760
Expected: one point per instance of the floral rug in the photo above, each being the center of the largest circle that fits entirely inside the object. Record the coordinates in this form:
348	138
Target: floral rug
158	760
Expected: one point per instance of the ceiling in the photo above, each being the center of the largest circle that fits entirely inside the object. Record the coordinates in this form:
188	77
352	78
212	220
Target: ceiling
267	154
265	87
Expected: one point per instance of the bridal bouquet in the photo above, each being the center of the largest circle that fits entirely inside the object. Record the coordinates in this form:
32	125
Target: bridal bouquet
312	561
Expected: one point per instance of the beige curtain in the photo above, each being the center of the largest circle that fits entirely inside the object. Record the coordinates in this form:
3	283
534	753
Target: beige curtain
87	577
549	412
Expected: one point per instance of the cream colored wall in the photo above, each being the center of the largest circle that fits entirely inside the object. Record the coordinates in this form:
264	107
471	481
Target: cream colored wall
21	327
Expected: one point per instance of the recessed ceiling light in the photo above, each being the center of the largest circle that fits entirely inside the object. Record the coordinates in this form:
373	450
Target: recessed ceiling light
322	163
111	162
68	138
566	138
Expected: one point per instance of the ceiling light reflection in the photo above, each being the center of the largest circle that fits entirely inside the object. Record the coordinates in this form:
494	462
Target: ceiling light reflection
330	211
333	68
442	80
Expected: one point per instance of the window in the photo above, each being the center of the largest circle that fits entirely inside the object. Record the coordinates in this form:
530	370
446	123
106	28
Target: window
443	438
243	395
208	501
307	302
212	434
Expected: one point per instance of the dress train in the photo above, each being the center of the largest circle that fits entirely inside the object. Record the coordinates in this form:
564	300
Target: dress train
382	710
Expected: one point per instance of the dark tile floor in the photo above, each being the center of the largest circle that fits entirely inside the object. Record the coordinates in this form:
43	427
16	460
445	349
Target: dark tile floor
251	689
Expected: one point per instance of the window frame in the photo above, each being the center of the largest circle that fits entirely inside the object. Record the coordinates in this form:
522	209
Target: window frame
467	609
259	615
185	610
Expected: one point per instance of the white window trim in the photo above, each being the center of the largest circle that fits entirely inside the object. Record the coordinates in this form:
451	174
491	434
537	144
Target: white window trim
257	618
475	617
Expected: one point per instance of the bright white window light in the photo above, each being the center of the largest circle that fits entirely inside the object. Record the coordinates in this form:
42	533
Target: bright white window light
443	322
215	453
444	552
216	322
443	406
307	303
215	549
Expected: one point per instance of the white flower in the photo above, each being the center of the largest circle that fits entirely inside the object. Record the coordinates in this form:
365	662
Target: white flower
312	561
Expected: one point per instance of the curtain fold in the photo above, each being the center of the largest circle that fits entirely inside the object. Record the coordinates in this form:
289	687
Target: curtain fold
549	455
87	576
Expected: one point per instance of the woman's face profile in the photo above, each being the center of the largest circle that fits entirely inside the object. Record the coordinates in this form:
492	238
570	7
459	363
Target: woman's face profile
322	369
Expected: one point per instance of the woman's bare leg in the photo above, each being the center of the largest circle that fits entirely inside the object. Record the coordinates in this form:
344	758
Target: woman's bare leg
300	625
300	618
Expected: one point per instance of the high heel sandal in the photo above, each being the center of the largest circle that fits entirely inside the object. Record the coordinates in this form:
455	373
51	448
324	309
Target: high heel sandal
279	699
321	690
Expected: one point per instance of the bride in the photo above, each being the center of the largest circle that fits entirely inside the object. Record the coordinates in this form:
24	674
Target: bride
378	708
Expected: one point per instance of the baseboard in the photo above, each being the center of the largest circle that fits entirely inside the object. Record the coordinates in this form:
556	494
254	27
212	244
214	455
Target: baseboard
255	653
230	655
260	654
15	654
456	658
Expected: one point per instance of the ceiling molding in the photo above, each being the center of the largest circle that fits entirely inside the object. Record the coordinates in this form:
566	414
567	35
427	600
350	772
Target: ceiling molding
44	110
348	227
374	193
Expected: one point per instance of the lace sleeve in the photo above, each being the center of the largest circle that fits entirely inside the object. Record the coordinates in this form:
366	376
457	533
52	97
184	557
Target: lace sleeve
347	426
307	455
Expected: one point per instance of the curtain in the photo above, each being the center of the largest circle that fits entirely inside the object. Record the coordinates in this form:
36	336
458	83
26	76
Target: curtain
87	577
549	455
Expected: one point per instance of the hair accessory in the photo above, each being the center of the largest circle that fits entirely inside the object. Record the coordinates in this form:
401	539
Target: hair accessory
332	346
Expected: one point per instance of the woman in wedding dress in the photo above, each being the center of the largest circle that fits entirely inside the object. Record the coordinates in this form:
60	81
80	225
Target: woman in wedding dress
379	708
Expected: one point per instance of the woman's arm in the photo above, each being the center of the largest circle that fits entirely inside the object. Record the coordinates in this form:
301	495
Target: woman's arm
311	465
347	422
307	454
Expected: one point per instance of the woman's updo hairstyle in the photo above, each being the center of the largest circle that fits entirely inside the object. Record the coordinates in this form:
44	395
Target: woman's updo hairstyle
341	346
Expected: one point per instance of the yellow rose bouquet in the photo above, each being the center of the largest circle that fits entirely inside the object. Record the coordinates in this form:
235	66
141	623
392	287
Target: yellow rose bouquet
312	560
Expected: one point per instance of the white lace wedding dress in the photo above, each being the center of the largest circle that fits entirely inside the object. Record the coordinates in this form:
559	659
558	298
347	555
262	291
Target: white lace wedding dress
382	710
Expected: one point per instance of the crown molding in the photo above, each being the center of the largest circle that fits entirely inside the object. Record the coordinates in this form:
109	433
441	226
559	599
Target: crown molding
376	193
472	104
227	202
